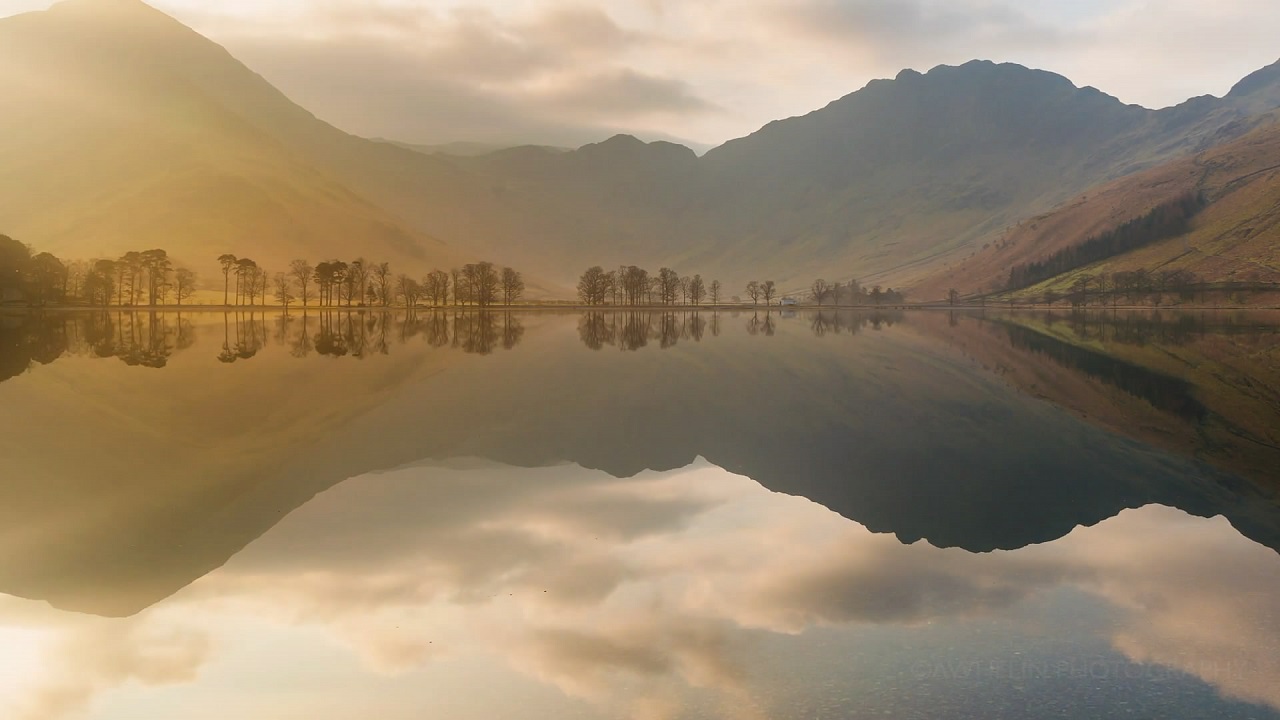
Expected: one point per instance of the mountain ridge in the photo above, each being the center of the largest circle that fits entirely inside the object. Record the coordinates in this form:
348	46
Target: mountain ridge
884	184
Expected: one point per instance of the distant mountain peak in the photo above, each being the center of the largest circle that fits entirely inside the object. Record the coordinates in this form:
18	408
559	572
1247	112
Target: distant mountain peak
1257	81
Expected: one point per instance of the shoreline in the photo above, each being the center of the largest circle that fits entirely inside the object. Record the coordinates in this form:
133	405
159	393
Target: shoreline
296	309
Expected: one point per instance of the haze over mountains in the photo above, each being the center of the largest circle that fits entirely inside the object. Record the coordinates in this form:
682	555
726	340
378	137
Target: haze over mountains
129	130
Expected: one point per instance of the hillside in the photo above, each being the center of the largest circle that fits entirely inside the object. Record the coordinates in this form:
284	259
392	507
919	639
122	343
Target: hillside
1233	239
130	130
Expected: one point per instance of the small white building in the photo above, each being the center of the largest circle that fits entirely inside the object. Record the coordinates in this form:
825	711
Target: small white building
788	302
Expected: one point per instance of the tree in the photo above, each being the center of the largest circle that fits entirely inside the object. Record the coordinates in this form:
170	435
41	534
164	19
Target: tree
819	290
357	281
768	289
635	284
512	286
184	284
47	277
99	284
228	262
408	289
14	260
158	267
245	280
338	281
456	275
482	281
753	291
436	287
668	285
953	296
591	286
77	272
284	290
697	290
131	269
301	271
877	295
714	289
382	281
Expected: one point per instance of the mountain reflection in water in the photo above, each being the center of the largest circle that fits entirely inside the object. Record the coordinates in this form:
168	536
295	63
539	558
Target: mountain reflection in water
613	548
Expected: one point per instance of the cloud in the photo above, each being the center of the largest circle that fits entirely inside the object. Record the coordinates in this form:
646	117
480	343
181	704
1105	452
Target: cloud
900	28
104	655
640	595
561	75
626	93
554	71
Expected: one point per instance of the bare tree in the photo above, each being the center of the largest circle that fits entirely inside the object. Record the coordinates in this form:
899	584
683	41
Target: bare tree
408	289
284	290
512	286
592	286
635	284
436	287
483	282
301	271
768	289
819	290
753	291
382	281
953	297
714	289
668	285
184	284
836	291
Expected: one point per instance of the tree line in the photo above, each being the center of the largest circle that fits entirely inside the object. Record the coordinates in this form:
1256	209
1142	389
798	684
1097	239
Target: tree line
1165	221
150	277
852	294
135	278
635	286
361	283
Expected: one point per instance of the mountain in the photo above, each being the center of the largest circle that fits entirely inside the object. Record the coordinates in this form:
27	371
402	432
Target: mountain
126	130
1233	239
131	130
886	184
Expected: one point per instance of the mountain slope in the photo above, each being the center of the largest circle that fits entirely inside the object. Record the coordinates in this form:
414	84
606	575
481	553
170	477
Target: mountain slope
131	131
1236	238
884	184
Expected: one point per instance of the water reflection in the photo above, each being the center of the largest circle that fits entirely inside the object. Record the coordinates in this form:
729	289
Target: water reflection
473	591
209	507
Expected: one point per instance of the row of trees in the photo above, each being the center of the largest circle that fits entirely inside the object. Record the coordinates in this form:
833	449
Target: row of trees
1165	221
135	278
360	283
852	294
150	277
1134	286
632	285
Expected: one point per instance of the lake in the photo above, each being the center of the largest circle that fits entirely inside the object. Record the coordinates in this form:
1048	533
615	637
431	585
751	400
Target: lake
554	514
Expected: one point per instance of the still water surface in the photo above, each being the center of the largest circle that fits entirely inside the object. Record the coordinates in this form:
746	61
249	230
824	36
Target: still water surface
639	515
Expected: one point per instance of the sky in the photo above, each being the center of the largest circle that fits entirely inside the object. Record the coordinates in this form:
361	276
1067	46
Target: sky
566	72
